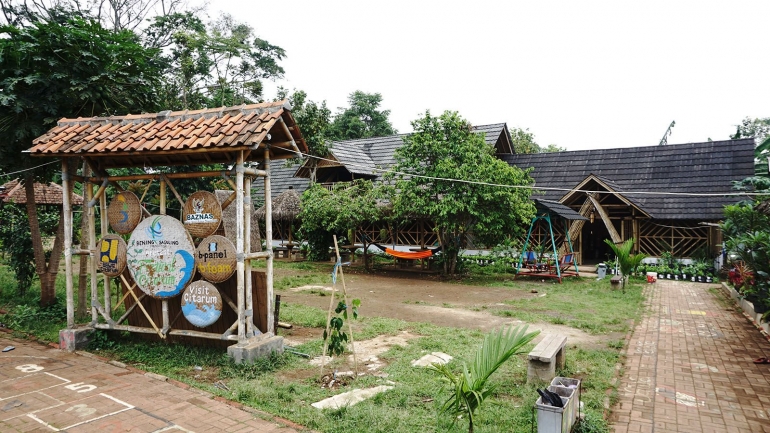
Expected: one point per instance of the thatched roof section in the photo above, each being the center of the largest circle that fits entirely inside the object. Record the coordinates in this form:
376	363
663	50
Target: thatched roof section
51	194
286	206
228	222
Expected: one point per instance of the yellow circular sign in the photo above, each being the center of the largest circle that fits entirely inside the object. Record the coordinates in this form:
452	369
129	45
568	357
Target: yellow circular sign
111	251
215	258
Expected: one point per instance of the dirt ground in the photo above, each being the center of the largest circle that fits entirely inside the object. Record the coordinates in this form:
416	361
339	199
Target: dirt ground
416	297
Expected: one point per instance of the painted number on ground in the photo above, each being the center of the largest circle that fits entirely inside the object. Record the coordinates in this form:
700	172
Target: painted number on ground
29	368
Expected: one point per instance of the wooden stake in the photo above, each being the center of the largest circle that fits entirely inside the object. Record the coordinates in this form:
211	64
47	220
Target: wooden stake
240	265
67	210
347	304
269	243
94	254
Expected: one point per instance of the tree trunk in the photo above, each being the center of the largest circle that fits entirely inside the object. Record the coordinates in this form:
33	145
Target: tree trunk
47	290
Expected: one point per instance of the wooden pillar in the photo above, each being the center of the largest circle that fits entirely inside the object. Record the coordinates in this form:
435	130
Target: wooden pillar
247	249
239	229
268	241
164	302
67	210
88	212
104	229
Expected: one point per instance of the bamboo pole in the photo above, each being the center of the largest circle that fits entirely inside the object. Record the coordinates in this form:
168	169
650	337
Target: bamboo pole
164	302
338	268
269	244
89	213
107	280
67	210
141	307
247	263
328	320
240	270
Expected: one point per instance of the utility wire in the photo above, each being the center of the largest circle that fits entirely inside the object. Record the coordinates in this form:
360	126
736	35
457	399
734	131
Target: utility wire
542	188
27	169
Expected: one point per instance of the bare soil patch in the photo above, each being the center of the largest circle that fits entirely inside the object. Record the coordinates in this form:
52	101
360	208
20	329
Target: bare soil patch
421	298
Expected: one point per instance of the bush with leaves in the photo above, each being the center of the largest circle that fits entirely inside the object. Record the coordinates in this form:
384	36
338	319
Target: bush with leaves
337	337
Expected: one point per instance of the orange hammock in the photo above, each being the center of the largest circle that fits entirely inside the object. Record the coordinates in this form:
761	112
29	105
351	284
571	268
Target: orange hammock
408	255
405	255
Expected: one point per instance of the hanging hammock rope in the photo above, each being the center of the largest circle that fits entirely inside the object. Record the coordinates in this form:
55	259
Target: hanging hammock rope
405	255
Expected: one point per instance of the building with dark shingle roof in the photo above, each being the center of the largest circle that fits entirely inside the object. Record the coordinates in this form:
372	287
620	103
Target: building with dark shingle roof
659	219
638	189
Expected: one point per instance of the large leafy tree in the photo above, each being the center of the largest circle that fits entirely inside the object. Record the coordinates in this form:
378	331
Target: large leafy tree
221	63
524	142
65	65
759	129
363	119
447	173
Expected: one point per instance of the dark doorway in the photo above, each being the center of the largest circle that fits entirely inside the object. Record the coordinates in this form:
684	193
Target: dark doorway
595	250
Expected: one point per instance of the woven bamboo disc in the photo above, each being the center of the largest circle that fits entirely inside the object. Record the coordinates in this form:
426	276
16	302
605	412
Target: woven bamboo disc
160	256
201	303
202	214
124	212
215	258
112	255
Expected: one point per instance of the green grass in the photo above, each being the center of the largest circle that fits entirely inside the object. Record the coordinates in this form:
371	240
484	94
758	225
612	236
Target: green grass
584	304
285	385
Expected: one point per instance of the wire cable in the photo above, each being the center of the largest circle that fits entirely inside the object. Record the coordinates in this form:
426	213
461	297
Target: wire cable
27	169
543	188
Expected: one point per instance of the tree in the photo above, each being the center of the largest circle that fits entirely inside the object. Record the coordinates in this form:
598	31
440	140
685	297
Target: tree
113	14
524	142
221	63
325	213
628	262
470	388
67	66
443	173
552	148
314	120
758	128
363	119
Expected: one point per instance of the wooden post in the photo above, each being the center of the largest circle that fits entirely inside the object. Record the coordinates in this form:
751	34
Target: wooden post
88	212
247	249
164	302
107	281
240	252
269	242
67	209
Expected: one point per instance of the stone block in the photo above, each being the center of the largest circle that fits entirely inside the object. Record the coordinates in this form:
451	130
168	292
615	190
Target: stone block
74	339
255	347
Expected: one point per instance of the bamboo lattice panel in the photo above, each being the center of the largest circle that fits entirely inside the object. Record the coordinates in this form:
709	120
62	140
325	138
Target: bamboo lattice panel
681	238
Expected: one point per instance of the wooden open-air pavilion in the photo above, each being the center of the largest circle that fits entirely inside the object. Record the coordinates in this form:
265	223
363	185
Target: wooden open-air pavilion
236	144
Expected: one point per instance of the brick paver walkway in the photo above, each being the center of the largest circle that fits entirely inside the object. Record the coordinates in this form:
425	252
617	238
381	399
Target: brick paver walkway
689	366
44	389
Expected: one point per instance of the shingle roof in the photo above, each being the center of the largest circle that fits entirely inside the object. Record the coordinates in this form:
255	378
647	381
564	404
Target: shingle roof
693	167
169	138
51	194
363	156
281	178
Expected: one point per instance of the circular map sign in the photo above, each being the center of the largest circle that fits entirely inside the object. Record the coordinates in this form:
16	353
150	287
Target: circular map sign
124	212
112	255
201	303
215	258
202	214
160	256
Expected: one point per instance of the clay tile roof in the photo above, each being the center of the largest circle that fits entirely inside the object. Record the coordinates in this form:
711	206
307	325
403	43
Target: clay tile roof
50	194
214	135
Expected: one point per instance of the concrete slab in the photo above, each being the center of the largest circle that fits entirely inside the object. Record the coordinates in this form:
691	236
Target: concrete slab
255	348
350	398
74	339
434	358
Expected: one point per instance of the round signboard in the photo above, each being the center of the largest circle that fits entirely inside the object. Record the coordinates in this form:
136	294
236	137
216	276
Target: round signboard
202	214
215	258
112	255
201	303
124	212
160	256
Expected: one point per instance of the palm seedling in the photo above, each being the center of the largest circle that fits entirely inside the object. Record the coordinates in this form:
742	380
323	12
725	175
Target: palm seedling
470	387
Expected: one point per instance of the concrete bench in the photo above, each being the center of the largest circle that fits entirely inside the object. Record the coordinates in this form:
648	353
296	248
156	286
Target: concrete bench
616	280
546	357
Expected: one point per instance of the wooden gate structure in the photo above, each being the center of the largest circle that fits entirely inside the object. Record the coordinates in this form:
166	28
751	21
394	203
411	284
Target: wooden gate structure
241	139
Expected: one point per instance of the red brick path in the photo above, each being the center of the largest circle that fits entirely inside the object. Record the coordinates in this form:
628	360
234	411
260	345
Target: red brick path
44	389
690	366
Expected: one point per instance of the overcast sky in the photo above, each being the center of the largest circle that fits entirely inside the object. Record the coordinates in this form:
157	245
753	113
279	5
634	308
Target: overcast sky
579	74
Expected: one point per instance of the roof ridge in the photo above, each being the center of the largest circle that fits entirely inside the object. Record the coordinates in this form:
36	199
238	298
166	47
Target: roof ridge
270	107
